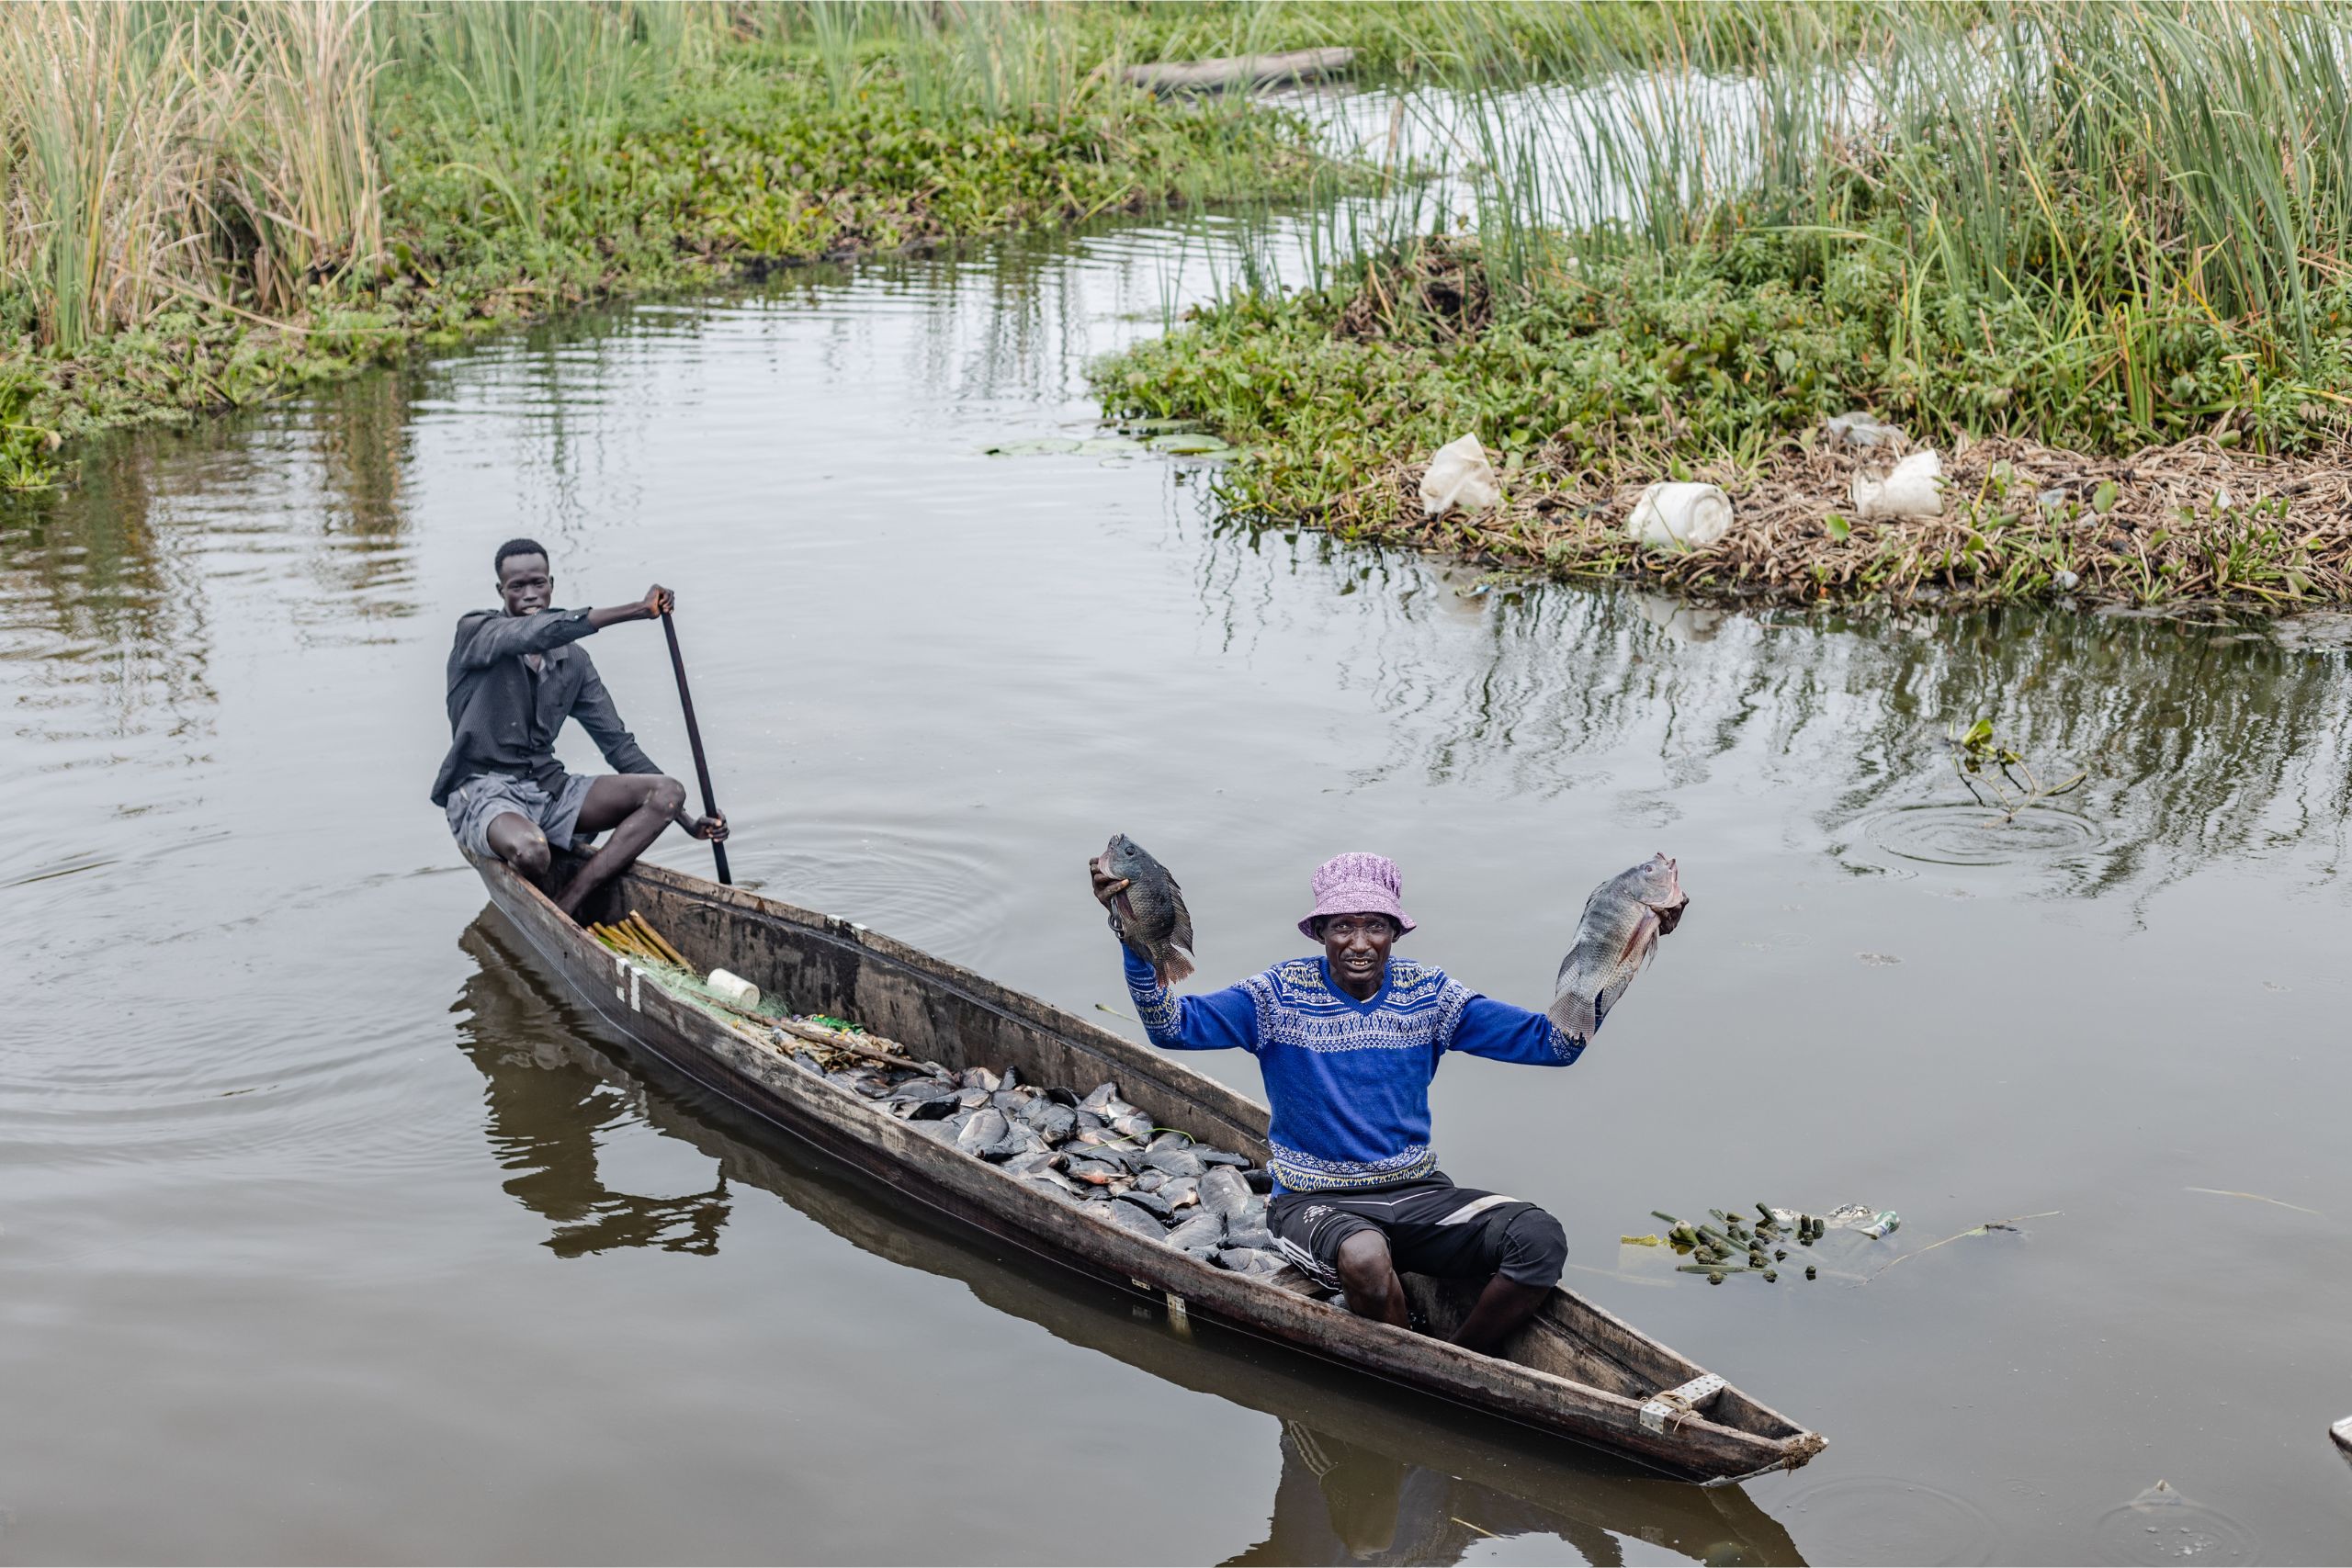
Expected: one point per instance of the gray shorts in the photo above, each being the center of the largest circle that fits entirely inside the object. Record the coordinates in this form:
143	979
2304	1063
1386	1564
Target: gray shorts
482	799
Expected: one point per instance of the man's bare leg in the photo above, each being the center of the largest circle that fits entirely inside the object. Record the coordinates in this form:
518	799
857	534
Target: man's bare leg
1370	1278
1502	1306
636	807
516	839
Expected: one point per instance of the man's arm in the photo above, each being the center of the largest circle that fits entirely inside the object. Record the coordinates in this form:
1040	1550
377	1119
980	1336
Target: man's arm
1508	1033
595	710
1221	1020
486	637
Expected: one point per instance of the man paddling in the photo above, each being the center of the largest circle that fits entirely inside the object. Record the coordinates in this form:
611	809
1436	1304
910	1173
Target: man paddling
1348	1043
514	677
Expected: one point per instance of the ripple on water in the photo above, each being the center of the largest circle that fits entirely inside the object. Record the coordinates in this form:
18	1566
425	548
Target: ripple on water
2162	1526
917	884
1877	1518
1951	834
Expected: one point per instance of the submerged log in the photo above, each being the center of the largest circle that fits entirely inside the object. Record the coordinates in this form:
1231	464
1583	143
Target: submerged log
1240	71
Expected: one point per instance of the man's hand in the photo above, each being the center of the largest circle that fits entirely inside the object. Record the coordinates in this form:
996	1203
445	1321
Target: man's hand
713	828
658	601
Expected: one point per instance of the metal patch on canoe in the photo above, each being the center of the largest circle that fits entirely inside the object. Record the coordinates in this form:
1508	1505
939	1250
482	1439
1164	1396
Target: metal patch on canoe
627	981
1677	1403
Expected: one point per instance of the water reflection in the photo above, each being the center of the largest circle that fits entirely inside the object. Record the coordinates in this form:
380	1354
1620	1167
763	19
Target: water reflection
361	435
102	617
2201	743
546	1109
1338	1502
1368	1473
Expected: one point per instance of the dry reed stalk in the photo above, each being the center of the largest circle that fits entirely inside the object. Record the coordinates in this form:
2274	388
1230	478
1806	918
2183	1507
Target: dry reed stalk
645	928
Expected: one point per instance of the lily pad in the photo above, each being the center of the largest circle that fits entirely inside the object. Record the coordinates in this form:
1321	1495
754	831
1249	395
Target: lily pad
1110	446
1039	446
1187	444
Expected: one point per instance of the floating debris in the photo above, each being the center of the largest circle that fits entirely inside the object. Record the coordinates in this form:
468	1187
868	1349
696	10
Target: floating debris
1736	1242
1872	1222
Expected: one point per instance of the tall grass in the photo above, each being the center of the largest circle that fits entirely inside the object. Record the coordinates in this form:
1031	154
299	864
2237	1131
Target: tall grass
306	168
107	114
2108	184
516	85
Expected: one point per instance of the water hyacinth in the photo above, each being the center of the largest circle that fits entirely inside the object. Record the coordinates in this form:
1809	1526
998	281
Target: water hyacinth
2077	229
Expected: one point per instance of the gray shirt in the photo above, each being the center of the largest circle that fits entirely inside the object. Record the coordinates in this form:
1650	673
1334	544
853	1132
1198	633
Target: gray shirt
504	715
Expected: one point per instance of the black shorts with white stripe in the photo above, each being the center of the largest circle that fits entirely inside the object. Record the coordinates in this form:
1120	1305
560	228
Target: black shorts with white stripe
1432	1227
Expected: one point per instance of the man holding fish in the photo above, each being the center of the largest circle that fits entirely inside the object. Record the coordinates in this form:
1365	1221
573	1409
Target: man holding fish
1349	1041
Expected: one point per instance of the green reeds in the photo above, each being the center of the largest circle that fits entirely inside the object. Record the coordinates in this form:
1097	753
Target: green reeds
108	109
2125	184
306	169
515	88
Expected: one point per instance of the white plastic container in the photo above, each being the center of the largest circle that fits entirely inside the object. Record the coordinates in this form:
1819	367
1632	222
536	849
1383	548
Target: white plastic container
1459	476
1915	488
1680	517
735	988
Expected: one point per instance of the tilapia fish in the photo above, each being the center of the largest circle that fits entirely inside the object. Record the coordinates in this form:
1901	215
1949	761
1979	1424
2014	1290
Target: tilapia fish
1621	923
1153	917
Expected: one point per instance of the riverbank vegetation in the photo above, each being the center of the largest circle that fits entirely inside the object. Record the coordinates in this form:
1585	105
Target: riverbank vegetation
206	203
2096	254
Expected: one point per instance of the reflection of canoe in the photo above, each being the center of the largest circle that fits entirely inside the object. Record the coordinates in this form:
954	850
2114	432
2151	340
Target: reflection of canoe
1575	1372
553	1090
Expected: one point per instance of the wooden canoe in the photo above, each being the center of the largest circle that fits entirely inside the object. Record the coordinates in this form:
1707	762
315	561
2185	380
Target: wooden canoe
546	1115
1575	1371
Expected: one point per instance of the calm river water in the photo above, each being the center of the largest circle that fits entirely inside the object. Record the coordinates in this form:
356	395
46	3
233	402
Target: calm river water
328	1230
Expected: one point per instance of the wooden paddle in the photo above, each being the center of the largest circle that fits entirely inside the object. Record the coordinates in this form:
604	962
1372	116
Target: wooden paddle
694	739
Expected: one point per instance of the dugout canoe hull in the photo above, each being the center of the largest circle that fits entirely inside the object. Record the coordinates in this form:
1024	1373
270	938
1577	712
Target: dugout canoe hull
1575	1372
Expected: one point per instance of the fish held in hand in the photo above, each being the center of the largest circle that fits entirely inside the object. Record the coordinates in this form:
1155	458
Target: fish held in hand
1146	908
1621	923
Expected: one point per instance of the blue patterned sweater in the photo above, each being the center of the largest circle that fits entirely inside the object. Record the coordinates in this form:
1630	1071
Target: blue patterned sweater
1349	1081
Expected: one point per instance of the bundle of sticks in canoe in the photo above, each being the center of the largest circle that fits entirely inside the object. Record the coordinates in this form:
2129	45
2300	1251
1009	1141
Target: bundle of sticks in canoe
1096	1151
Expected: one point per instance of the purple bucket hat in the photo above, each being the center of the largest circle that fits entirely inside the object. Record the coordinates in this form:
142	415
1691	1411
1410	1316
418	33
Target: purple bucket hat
1357	884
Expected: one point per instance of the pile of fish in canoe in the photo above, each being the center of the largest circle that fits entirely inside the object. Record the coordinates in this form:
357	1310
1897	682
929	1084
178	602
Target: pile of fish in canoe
1098	1152
1095	1151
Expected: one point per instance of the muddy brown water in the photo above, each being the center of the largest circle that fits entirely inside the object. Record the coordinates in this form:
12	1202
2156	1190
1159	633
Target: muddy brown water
329	1231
